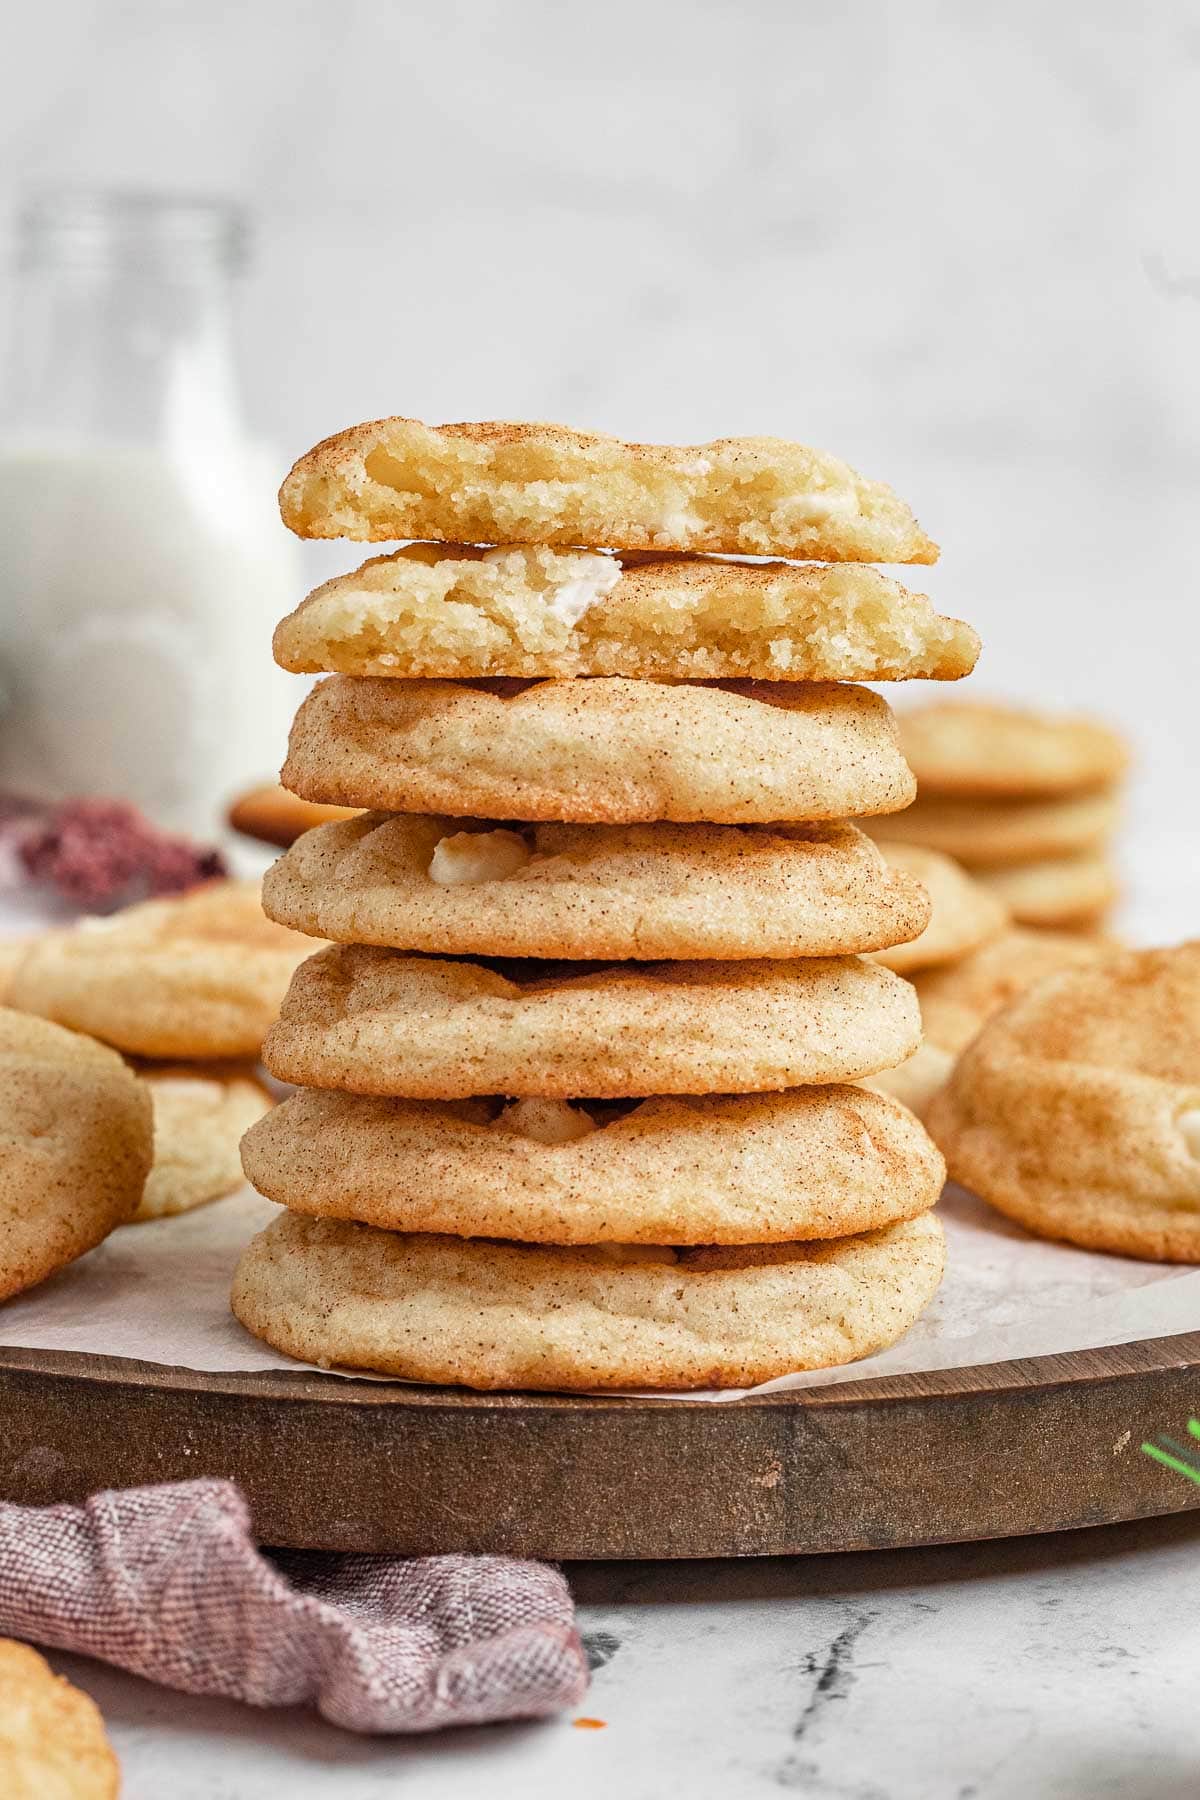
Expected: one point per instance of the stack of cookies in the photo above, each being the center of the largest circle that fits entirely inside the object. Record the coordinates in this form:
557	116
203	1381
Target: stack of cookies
1027	801
576	1102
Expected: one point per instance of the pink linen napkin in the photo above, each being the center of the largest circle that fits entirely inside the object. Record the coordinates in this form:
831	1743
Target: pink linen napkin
168	1583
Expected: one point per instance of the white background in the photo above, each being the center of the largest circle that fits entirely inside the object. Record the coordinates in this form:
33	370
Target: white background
957	243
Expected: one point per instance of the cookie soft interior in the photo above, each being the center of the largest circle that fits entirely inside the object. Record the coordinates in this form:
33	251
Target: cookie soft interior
529	610
502	483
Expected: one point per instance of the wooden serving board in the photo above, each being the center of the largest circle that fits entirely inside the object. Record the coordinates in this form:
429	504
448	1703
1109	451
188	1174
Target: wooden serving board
1007	1448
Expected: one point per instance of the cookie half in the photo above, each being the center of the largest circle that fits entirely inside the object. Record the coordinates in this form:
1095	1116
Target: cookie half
722	1169
1064	891
76	1144
460	612
201	1111
1076	1110
371	1021
970	747
964	912
196	977
53	1745
484	1314
600	752
623	891
1006	831
497	482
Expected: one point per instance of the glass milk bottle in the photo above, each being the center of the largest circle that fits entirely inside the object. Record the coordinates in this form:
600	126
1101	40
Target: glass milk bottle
142	561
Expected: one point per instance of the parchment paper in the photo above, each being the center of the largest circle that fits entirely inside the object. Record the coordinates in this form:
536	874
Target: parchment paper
160	1293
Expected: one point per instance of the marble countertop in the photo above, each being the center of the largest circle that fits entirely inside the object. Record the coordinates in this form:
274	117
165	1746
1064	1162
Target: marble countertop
1061	1668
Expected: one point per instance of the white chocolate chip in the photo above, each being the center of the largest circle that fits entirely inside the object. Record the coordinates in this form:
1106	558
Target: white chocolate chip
818	505
597	578
567	583
548	1121
1189	1125
679	523
474	856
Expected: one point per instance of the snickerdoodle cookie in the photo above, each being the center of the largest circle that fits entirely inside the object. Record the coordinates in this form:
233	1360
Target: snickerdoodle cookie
972	747
53	1745
484	1314
722	1169
201	1111
957	998
460	612
1076	1110
1006	831
964	914
498	482
621	891
607	751
197	977
1064	891
76	1144
917	1079
12	954
372	1021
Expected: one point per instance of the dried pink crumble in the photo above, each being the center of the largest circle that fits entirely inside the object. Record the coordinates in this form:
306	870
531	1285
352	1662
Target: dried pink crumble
103	853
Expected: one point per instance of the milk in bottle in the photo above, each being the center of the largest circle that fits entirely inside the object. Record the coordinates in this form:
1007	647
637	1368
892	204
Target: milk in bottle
143	563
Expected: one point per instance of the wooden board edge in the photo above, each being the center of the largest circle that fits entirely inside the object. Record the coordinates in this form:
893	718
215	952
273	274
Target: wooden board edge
1179	1351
